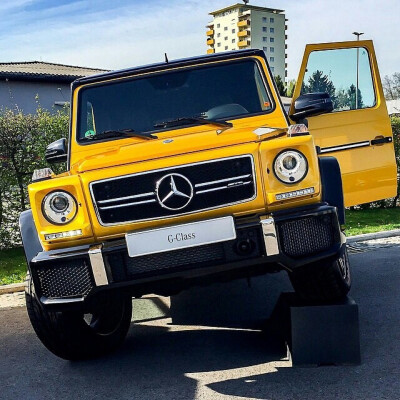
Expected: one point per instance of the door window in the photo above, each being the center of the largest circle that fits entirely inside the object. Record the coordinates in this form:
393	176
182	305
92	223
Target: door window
343	73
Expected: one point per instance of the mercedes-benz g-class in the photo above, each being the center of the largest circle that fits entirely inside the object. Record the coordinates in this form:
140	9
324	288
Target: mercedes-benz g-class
191	171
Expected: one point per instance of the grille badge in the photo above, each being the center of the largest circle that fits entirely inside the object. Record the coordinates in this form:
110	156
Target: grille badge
174	191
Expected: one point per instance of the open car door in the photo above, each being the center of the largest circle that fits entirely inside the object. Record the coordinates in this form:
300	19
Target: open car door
358	131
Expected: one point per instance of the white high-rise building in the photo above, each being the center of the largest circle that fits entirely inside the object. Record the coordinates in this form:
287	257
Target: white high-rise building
244	26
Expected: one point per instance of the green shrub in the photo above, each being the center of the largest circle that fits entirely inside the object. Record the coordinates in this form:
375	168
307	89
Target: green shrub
23	140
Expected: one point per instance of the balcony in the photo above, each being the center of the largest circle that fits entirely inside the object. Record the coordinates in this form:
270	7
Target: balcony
210	42
244	24
244	43
245	13
210	51
243	33
210	32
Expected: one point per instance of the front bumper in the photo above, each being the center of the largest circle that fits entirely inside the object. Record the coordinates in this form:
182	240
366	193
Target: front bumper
284	240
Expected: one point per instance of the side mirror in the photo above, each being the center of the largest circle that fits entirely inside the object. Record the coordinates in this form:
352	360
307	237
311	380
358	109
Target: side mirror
56	152
311	104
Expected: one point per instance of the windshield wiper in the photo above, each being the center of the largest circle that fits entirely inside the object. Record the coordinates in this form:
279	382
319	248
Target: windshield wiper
119	133
188	120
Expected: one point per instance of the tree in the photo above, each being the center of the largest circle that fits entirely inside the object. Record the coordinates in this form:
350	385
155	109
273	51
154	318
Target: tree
391	86
318	82
290	88
280	85
351	93
23	139
342	101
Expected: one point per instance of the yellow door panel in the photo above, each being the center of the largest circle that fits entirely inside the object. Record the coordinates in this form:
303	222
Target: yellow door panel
358	131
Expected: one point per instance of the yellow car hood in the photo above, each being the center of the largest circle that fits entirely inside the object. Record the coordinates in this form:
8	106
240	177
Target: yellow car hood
131	150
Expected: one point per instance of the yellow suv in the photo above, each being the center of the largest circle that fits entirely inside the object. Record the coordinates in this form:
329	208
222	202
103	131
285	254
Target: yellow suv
191	171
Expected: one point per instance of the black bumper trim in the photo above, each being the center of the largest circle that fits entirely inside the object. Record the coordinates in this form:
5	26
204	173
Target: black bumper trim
169	281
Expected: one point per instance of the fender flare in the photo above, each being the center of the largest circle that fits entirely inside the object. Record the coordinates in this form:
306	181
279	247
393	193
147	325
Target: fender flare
29	235
332	186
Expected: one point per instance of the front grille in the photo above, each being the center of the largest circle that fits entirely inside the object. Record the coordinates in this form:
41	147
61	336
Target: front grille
65	279
306	236
173	259
212	184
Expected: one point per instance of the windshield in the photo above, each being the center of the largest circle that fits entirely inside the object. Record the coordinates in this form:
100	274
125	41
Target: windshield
149	104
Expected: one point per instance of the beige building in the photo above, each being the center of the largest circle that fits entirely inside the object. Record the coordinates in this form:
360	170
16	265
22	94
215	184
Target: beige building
244	26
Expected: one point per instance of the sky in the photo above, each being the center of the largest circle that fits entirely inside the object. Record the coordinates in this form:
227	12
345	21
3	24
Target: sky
124	33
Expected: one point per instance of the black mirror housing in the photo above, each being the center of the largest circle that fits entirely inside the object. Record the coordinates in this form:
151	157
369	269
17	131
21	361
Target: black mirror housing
56	152
310	104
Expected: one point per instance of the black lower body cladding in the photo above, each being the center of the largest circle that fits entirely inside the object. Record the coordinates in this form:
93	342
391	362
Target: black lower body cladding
303	235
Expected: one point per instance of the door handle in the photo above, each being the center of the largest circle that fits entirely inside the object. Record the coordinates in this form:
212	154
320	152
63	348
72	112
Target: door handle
380	140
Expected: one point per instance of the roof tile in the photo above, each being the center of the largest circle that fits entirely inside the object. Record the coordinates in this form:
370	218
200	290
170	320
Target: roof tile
39	68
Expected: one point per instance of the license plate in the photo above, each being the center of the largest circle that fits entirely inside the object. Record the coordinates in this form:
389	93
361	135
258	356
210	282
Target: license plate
180	236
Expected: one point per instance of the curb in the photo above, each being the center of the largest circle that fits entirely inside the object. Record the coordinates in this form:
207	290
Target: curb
15	287
20	287
372	236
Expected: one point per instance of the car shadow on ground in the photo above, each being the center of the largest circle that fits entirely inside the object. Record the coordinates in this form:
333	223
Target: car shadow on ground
157	361
163	361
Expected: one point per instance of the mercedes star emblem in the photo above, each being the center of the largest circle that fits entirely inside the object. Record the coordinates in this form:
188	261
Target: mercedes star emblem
174	191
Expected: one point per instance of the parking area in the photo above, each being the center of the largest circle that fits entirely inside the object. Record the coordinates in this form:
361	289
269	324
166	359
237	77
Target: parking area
160	360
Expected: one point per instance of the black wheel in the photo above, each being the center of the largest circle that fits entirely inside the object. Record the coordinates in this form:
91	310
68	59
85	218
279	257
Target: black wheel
73	335
323	281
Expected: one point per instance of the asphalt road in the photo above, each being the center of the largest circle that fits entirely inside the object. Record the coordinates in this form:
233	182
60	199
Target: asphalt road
164	361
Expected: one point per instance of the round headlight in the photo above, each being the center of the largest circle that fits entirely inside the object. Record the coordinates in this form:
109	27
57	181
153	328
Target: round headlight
290	166
59	207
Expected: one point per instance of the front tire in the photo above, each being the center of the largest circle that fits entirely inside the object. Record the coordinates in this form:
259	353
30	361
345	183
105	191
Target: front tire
73	335
322	281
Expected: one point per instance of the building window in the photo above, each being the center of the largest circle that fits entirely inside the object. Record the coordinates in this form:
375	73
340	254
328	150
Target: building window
233	30
272	69
264	29
264	39
218	44
272	59
225	28
226	38
226	47
264	19
265	48
271	20
271	30
271	49
271	39
218	25
233	40
218	35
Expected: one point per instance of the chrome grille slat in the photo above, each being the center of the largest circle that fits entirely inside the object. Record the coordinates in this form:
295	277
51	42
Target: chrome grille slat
222	180
221	188
130	198
137	203
126	198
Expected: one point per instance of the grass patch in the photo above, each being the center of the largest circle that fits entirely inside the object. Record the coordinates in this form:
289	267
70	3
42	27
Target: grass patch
12	266
372	220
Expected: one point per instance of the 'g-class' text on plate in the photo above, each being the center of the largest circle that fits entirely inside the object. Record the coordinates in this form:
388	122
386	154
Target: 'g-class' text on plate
180	236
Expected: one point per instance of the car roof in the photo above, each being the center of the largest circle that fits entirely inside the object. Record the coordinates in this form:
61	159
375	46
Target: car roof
166	65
